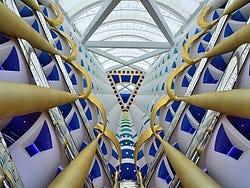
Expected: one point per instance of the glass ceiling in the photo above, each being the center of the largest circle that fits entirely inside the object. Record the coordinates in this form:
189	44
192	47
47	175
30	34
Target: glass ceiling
132	22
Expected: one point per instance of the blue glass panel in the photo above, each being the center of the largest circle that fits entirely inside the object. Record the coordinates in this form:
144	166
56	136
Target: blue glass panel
88	114
1	68
146	121
59	45
45	11
158	143
61	28
235	153
183	43
207	37
158	112
3	39
196	31
104	149
35	25
163	86
95	171
18	126
201	48
174	64
169	116
59	170
82	62
125	97
127	143
68	68
140	155
83	103
191	70
65	109
127	153
197	112
88	68
222	143
111	168
53	33
175	51
168	57
43	141
116	78
241	124
163	173
73	79
216	15
11	63
83	146
166	69
185	82
208	78
80	49
127	171
85	83
44	58
237	16
152	150
228	31
74	123
172	85
125	78
219	62
144	170
32	149
114	154
26	12
53	74
135	79
186	125
192	130
175	105
176	146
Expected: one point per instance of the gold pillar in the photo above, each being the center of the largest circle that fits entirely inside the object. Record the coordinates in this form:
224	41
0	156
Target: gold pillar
189	174
76	172
234	102
19	99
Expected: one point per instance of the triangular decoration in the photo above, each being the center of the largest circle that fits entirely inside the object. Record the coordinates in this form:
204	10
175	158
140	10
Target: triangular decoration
125	84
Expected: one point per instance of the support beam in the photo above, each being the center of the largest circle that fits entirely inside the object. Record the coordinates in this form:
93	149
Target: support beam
107	55
141	58
103	13
120	66
126	44
146	56
155	13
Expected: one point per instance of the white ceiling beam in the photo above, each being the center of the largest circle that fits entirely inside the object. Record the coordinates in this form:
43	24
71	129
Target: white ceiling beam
155	13
81	8
121	66
107	55
146	56
102	14
138	59
127	44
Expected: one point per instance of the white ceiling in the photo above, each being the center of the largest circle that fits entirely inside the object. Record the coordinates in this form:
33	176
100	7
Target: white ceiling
129	33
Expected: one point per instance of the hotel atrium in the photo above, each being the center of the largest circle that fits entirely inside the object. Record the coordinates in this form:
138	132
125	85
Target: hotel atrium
124	93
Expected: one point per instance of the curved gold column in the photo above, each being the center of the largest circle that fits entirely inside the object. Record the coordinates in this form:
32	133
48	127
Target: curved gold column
19	99
233	102
189	174
76	172
24	31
